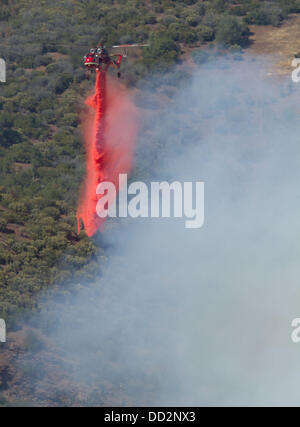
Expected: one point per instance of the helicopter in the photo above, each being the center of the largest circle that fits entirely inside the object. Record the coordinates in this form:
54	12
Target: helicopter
99	59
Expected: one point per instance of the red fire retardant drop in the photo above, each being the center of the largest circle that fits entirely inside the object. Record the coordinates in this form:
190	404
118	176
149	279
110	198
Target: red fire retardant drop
110	136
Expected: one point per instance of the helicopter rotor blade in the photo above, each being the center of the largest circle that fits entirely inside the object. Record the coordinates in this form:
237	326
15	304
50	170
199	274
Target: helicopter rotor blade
129	45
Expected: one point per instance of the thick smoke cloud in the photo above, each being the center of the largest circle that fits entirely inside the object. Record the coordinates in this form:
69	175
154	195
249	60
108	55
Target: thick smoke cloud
203	317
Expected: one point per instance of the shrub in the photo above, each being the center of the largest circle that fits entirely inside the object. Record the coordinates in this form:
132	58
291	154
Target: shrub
205	34
263	15
183	33
163	50
193	20
238	11
220	5
63	83
231	32
200	56
3	224
167	20
150	20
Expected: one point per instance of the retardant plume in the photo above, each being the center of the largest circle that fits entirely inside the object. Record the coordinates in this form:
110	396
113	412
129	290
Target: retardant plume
110	135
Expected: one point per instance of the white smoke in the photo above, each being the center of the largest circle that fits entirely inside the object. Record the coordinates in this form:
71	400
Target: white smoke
203	317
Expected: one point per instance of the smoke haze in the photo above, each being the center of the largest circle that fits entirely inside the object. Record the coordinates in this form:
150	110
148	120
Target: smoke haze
203	317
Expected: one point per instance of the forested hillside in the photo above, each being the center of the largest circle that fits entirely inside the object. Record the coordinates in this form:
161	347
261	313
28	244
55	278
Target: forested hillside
41	153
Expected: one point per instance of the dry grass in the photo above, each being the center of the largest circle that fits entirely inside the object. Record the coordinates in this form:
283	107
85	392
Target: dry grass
282	43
